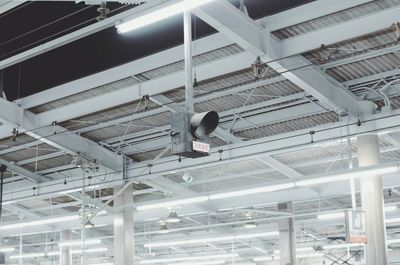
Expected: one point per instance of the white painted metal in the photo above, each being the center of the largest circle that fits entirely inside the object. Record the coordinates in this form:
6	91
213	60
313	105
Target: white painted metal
123	227
287	236
223	16
187	28
66	255
372	201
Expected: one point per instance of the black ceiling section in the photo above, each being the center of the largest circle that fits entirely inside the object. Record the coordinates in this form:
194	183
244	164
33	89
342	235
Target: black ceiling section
98	52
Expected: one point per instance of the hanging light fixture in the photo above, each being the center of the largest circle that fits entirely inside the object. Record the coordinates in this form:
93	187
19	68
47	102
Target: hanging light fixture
173	217
163	228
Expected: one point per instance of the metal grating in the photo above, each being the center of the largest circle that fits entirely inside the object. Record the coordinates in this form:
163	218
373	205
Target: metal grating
288	126
249	97
197	60
143	124
335	18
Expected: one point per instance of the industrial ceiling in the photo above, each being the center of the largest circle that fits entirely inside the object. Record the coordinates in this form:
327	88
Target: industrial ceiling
89	107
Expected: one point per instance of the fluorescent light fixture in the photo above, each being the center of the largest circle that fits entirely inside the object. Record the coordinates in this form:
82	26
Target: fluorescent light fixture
171	204
40	222
55	253
192	258
330	216
393	241
6	249
347	175
78	243
215	262
245	192
393	220
35	255
90	250
250	225
269	258
345	245
211	239
164	12
390	208
340	215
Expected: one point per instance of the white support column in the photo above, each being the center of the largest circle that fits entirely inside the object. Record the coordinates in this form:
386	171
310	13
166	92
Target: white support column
123	227
372	201
187	22
287	236
65	255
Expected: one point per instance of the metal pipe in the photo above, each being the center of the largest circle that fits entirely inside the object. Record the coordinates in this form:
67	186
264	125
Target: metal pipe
384	92
187	23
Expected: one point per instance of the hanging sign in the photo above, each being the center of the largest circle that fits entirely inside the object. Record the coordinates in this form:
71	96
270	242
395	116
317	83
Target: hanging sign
356	230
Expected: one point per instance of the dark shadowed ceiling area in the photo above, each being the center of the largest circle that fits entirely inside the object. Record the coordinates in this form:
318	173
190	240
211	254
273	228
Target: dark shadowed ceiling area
34	23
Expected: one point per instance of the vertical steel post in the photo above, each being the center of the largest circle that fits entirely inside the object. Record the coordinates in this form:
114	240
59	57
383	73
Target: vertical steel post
287	236
123	227
187	25
372	201
65	252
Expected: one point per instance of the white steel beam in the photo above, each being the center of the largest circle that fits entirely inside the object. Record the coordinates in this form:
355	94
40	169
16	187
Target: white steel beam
204	45
340	32
279	166
151	87
14	116
303	13
227	19
8	5
37	178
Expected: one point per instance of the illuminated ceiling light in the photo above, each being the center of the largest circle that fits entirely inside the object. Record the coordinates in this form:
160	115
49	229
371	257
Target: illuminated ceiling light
192	258
339	246
173	217
163	228
90	250
168	10
211	239
172	204
214	262
35	255
6	249
362	172
77	243
390	208
330	216
245	192
55	253
250	225
40	222
340	215
270	258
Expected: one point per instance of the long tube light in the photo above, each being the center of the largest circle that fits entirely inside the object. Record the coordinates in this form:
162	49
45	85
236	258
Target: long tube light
167	11
77	243
6	249
214	262
54	253
245	192
347	175
171	204
40	222
269	258
340	215
192	258
272	188
211	239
